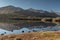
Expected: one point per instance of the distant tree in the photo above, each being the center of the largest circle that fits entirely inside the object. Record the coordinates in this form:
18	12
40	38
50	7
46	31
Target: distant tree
34	31
18	39
29	31
22	31
2	34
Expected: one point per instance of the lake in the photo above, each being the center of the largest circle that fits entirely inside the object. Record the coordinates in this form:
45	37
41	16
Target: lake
26	30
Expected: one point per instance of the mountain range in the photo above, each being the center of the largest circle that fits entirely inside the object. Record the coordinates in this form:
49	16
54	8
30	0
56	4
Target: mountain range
29	12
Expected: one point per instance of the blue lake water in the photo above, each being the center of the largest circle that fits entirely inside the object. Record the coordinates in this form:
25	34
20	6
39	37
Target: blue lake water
30	30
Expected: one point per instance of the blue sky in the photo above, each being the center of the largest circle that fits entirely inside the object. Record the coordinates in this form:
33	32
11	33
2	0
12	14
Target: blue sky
36	4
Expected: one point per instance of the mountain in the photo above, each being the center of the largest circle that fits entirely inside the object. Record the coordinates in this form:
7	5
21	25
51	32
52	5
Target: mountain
41	13
30	12
9	9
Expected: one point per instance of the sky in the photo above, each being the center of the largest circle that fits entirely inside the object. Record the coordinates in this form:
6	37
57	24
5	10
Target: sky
36	4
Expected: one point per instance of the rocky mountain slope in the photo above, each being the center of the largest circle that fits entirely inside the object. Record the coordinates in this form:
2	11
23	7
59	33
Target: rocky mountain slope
30	12
9	9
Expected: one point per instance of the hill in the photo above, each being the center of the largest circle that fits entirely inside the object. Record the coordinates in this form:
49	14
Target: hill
12	10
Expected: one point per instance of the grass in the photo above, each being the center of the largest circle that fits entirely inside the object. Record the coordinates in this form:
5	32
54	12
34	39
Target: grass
44	35
49	35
